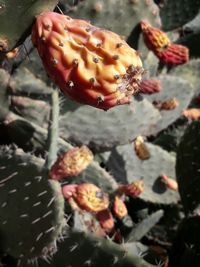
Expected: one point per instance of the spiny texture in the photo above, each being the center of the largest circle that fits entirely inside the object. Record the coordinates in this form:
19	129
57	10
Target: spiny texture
91	65
31	206
158	42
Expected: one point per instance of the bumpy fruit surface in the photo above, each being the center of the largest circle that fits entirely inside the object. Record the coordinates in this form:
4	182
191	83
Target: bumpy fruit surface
106	220
174	54
132	190
169	182
119	208
141	148
72	163
155	39
91	198
158	42
90	65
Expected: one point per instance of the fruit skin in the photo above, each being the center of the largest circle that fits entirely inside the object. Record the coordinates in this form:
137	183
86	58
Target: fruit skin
71	163
174	54
157	41
150	86
90	65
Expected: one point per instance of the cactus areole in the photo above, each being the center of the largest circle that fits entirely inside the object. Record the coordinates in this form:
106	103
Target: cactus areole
91	65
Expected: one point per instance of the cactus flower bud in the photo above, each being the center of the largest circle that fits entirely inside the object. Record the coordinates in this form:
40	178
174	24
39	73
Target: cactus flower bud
119	208
91	65
91	198
72	163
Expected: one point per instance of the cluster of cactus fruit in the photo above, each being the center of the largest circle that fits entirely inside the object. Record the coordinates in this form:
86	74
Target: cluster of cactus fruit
81	186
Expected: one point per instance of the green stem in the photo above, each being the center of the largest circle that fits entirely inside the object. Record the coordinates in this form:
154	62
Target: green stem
52	139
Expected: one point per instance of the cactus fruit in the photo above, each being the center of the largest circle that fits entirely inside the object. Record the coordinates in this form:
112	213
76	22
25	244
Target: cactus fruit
106	220
71	163
169	182
157	41
174	54
119	208
169	104
90	65
91	198
141	149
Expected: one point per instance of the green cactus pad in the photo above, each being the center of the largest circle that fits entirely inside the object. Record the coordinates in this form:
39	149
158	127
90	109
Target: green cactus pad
143	227
81	249
176	13
188	166
32	207
119	16
171	87
124	164
16	20
102	130
190	72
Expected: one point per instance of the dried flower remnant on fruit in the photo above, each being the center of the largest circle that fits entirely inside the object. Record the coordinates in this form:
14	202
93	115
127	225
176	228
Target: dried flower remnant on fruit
169	182
150	86
87	52
192	113
155	39
132	190
105	219
91	198
174	55
72	163
169	104
141	148
158	42
119	208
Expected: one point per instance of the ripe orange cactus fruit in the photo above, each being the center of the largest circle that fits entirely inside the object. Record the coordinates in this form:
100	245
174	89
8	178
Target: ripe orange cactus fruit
91	198
71	163
133	190
91	65
119	208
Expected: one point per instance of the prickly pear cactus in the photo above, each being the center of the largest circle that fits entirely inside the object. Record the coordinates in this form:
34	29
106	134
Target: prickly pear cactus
32	207
16	20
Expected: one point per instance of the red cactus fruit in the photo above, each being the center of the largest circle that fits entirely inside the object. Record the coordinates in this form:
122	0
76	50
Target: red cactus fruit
91	198
106	220
192	113
174	54
90	65
169	182
141	148
133	190
158	42
150	86
72	163
155	39
119	208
